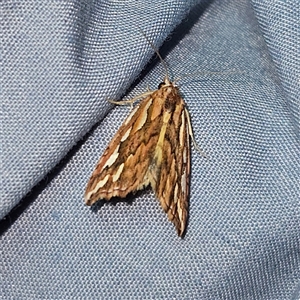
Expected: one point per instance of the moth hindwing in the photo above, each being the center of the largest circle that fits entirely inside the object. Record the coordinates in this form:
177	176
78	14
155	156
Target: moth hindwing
152	147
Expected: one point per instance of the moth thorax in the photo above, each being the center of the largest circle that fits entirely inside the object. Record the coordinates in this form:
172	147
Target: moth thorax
171	100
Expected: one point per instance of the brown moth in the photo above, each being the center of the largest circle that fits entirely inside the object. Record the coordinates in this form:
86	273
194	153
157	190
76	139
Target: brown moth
152	147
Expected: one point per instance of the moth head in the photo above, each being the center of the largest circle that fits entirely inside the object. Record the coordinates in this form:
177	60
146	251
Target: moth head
166	83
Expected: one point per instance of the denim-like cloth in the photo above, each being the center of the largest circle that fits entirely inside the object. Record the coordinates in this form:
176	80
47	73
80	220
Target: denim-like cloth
61	61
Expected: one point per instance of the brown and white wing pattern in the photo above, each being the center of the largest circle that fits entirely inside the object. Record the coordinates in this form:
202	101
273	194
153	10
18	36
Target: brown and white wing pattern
173	187
170	181
122	167
151	147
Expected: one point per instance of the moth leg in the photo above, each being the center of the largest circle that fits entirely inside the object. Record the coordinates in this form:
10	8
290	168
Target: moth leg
192	134
132	100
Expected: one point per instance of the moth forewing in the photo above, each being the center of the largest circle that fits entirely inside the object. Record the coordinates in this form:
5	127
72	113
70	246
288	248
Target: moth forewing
119	169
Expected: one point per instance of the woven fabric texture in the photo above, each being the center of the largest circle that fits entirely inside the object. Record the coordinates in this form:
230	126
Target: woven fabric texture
62	61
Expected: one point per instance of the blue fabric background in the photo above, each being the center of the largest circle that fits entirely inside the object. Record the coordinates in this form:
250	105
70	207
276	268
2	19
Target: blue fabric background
62	61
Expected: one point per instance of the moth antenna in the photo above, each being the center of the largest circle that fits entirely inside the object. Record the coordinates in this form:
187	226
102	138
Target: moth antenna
156	51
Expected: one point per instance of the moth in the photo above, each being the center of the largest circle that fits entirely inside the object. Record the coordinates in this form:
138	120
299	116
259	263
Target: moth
152	147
